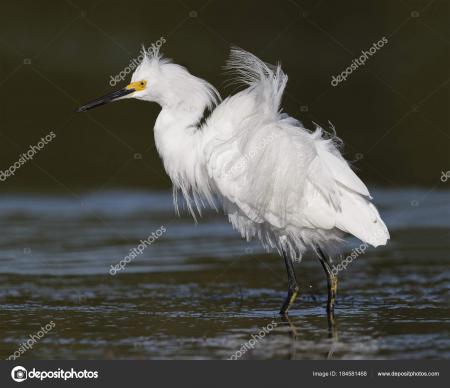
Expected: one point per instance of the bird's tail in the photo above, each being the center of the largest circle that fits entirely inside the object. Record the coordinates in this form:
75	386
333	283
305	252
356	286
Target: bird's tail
356	215
247	69
365	223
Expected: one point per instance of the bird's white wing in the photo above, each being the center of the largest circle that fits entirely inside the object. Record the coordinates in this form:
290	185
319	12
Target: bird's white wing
273	171
345	195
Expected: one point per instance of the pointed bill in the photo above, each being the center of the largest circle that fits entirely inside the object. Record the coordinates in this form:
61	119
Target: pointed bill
113	96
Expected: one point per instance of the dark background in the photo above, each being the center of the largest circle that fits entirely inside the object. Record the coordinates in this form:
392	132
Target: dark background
55	55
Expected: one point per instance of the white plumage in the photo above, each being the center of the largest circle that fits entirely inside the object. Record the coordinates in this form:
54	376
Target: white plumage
276	180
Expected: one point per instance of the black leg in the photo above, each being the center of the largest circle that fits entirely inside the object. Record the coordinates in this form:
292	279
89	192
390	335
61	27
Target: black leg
293	287
332	281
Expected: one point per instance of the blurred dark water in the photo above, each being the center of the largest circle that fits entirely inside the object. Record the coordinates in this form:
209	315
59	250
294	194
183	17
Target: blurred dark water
199	291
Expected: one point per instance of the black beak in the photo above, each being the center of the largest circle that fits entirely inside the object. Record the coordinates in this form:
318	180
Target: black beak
105	99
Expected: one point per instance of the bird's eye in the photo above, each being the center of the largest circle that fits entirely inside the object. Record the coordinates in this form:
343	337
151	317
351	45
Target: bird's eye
142	84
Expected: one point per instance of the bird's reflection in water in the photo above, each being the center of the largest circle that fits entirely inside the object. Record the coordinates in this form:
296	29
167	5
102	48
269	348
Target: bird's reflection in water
293	330
332	333
294	333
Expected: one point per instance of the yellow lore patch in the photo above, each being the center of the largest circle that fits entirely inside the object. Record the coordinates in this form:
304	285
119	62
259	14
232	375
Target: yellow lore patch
138	86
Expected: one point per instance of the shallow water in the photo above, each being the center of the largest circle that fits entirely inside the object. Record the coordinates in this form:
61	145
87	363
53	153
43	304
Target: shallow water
200	292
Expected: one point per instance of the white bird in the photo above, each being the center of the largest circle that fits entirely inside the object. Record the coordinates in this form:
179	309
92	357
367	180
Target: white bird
276	180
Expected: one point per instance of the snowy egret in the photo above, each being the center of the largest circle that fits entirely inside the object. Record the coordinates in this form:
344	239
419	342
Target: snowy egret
276	181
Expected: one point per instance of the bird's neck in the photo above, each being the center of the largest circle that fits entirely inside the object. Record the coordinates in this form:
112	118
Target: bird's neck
180	143
176	133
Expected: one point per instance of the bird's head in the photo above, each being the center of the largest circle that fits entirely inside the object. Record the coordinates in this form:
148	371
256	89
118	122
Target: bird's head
158	80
